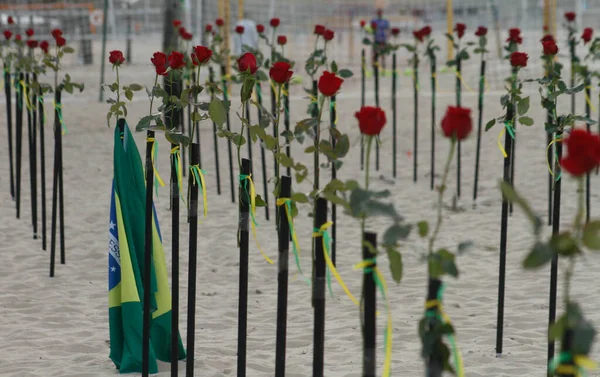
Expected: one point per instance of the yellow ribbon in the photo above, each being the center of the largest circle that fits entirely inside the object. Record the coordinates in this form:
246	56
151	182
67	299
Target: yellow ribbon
252	195
460	369
511	132
199	179
588	99
329	263
581	362
26	93
296	246
175	151
463	81
387	364
58	108
158	178
556	140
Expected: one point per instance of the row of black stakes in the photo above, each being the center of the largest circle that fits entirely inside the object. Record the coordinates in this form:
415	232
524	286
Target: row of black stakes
35	111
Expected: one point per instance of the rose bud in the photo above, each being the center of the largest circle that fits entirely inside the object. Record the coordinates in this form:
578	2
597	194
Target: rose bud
457	123
588	32
280	72
260	28
460	30
159	59
370	120
519	59
281	40
201	55
176	60
329	84
275	22
481	31
116	58
247	62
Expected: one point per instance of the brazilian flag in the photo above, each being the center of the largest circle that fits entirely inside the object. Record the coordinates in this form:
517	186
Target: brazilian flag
126	263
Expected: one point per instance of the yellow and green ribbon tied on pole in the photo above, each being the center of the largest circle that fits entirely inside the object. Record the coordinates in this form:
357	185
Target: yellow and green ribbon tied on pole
511	131
246	180
559	364
198	175
58	108
369	266
176	152
554	141
287	203
158	181
324	234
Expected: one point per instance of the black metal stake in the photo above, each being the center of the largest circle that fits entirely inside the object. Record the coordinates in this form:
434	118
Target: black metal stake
211	76
244	237
434	367
416	118
394	115
193	262
459	104
282	278
503	238
43	168
369	309
57	187
9	125
175	264
249	139
19	136
33	161
29	111
148	227
555	231
588	114
226	99
479	126
319	293
263	157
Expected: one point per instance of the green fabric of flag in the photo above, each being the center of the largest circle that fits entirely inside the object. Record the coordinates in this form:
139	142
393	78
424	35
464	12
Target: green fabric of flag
126	263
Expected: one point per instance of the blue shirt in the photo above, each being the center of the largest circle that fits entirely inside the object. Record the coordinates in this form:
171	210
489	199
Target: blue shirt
382	26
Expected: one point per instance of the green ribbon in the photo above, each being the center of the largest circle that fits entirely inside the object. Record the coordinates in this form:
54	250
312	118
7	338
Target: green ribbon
288	205
436	314
510	129
379	284
326	243
58	108
194	169
244	181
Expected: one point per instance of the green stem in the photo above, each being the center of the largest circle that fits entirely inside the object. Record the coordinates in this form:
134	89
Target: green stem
195	124
367	170
577	224
276	125
441	190
317	142
152	95
118	89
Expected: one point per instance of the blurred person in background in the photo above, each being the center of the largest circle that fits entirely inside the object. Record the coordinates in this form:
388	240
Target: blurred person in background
381	28
248	40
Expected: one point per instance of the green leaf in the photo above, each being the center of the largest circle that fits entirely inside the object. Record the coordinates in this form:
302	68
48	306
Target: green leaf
345	73
512	196
526	121
68	50
490	124
299	198
538	256
557	329
217	112
176	137
448	262
196	117
423	228
144	123
238	139
333	198
343	146
135	87
591	235
396	266
334	67
564	244
310	149
129	95
366	41
583	338
259	201
394	233
523	106
247	88
261	76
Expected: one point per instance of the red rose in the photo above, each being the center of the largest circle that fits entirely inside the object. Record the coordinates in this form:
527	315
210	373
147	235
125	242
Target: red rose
260	28
457	122
281	40
370	120
18	37
7	34
547	38
395	31
583	152
373	25
514	36
32	43
481	31
328	35
239	29
159	60
319	29
184	34
60	41
219	22
208	28
329	84
418	36
550	48
247	62
115	58
176	23
460	30
588	32
426	31
11	21
519	59
275	22
44	45
363	23
29	32
176	60
570	16
57	33
280	72
201	55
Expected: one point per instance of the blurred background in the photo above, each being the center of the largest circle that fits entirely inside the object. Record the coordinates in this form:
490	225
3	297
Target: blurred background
138	26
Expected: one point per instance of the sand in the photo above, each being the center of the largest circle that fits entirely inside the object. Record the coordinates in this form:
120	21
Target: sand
59	326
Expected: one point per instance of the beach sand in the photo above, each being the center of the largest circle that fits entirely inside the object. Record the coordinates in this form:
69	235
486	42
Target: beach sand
59	326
